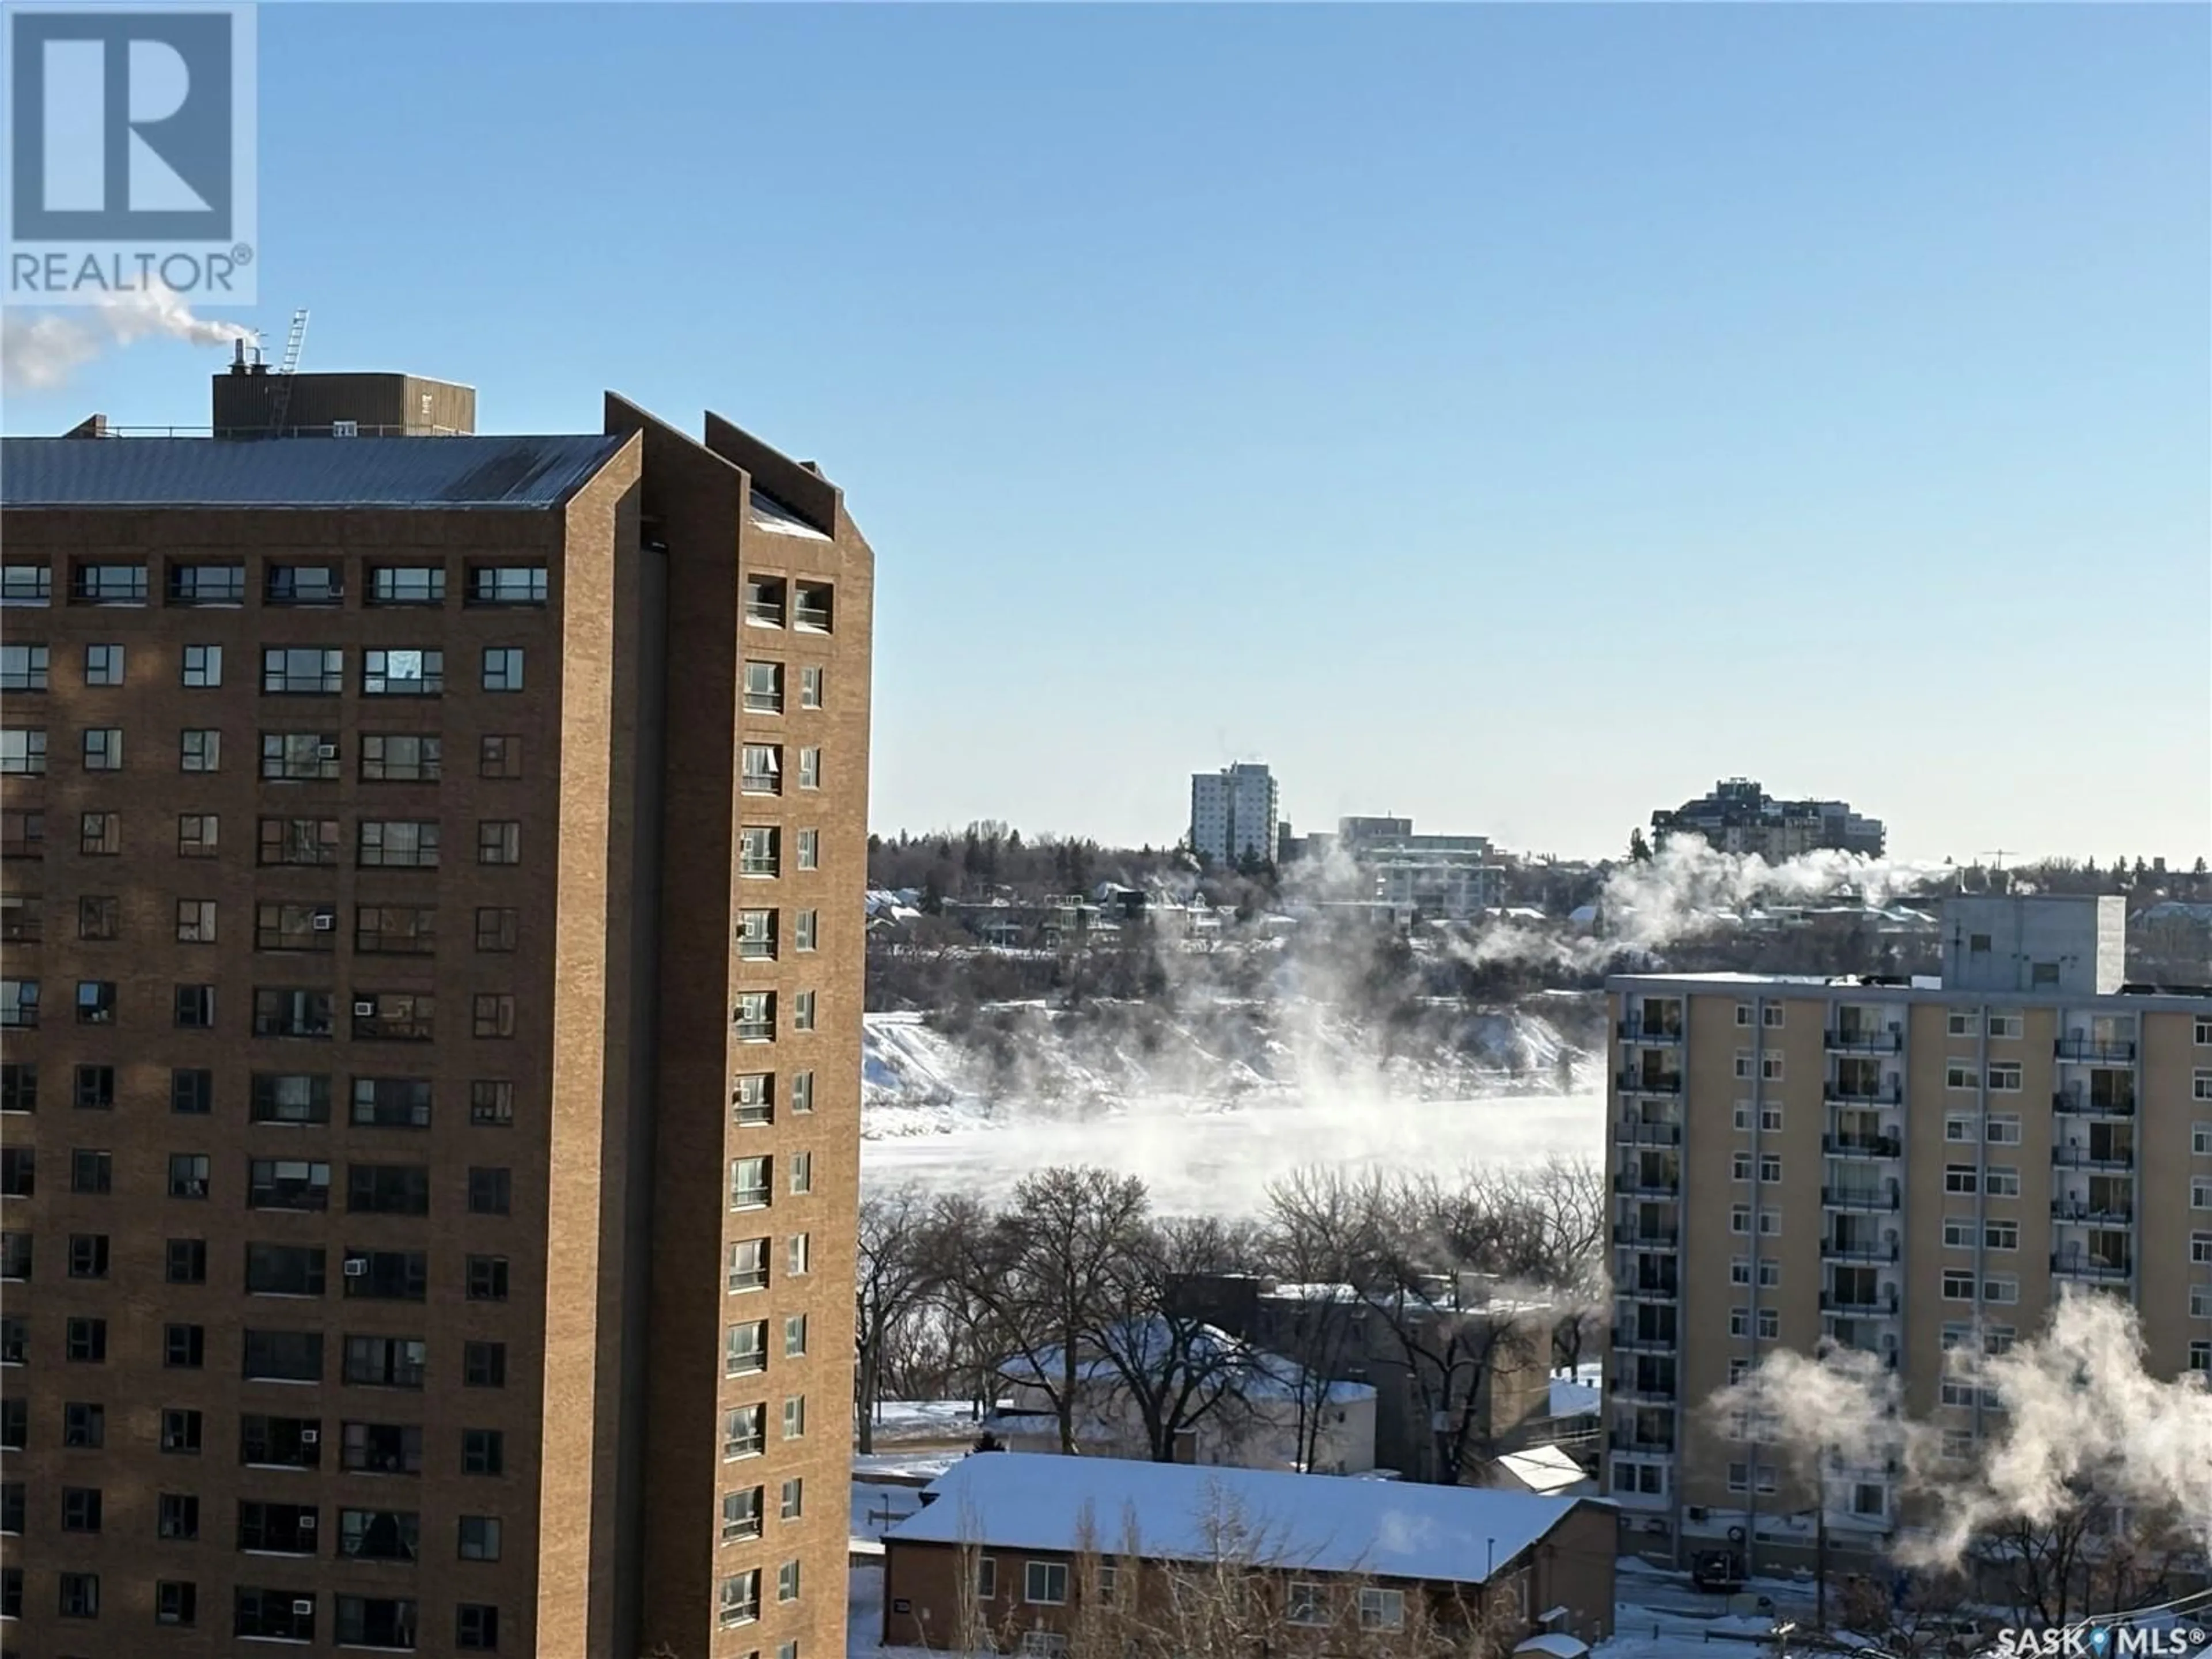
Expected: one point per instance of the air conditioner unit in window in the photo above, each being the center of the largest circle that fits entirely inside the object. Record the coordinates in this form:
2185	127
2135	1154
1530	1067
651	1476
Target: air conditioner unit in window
304	1608
325	921
346	428
308	1522
356	1267
364	1010
309	1437
330	751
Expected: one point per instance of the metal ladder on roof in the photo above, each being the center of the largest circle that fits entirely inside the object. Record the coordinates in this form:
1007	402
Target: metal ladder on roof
280	402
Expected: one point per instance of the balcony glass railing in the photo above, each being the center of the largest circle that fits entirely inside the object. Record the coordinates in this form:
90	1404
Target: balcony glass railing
2094	1051
1862	1145
1859	1250
1862	1040
1859	1198
1648	1083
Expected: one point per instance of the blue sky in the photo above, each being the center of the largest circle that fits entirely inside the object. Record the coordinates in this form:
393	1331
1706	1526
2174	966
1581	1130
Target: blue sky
1517	417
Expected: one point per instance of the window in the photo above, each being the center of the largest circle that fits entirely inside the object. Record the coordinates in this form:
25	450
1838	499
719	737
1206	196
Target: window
373	1621
1958	1233
761	770
491	1105
84	1341
502	668
184	1347
384	1362
1958	1285
476	1626
1959	1177
2001	1291
2004	1130
810	769
499	757
491	1191
741	1514
23	667
189	1175
745	1431
2004	1078
283	1356
22	835
202	667
752	1098
287	1013
786	1582
2200	1249
987	1578
295	670
394	930
487	1278
80	1509
754	1017
26	584
287	1183
1999	1181
185	1261
764	601
300	757
748	1183
103	664
1740	1218
295	927
794	1336
499	841
793	1504
802	1092
1961	1074
79	1595
2200	1193
804	930
483	1451
22	751
479	1538
91	1172
795	1417
290	1098
798	1255
95	1002
388	1189
200	750
507	584
281	1443
802	1011
391	1103
196	835
1381	1609
178	1516
403	673
810	607
748	1269
379	1535
809	856
84	1427
2006	1026
1958	1130
2001	1235
745	1349
740	1599
398	757
763	688
759	850
103	749
1740	1166
388	1275
15	1333
415	584
195	1007
394	1017
19	1086
810	687
483	1364
285	1270
498	927
108	584
399	844
192	1092
298	840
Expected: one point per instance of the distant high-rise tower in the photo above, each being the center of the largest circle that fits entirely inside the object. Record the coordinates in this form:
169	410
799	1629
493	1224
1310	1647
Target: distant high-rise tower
1234	811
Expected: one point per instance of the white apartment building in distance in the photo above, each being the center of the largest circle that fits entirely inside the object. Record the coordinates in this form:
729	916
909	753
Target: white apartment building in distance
1897	1166
1234	811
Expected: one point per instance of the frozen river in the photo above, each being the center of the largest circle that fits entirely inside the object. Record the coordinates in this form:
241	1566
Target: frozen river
1200	1158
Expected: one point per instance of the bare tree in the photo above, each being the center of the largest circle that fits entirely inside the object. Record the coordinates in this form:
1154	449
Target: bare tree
1319	1236
895	1269
1175	1371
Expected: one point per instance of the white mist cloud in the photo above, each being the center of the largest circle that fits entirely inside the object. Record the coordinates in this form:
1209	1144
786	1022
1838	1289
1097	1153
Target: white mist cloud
2080	1415
41	350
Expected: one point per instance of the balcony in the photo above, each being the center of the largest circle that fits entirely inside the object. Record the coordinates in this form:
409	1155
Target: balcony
1642	1185
1649	1238
1627	1391
2114	1159
1635	1031
1886	1201
1634	1131
1862	1145
2085	1103
1880	1304
2081	1213
2067	1264
1889	1093
1647	1083
1659	1445
1650	1290
1856	1040
1626	1340
1881	1250
2088	1051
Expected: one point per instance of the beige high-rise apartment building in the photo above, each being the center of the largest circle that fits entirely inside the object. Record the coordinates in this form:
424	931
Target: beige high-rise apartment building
1896	1166
431	1011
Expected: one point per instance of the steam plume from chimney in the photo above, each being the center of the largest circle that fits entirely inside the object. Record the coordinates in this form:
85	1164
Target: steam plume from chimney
40	350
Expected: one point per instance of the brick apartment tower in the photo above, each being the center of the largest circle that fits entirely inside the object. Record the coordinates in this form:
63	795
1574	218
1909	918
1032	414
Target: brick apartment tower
1896	1166
432	1004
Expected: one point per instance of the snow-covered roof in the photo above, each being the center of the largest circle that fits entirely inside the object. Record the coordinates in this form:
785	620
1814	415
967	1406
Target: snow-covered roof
1543	1469
1258	1373
1557	1644
1572	1399
1182	1512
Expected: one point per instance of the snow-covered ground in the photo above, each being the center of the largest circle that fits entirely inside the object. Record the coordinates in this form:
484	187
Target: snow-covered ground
927	1118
